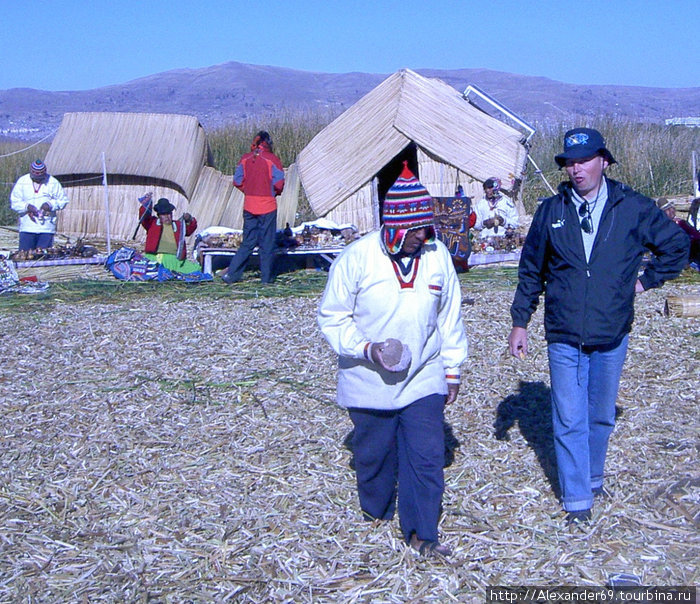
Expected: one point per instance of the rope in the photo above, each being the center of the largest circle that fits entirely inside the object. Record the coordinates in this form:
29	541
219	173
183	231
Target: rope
30	146
66	182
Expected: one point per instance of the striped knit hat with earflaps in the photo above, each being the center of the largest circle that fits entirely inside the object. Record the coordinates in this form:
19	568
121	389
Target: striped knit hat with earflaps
38	169
408	205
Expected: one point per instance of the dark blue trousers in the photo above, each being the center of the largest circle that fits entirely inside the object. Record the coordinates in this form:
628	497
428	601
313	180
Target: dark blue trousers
33	241
258	230
405	449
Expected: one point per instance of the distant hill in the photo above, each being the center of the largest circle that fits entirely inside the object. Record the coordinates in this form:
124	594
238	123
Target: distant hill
233	91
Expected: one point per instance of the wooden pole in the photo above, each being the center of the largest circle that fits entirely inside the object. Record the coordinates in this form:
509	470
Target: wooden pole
104	184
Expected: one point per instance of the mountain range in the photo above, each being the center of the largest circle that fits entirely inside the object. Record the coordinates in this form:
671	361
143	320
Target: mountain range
232	92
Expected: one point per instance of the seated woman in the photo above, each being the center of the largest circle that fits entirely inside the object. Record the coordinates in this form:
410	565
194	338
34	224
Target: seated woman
165	238
669	208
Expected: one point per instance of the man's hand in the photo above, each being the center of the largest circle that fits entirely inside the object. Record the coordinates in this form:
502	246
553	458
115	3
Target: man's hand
45	207
376	353
32	212
391	355
187	217
146	200
452	391
517	342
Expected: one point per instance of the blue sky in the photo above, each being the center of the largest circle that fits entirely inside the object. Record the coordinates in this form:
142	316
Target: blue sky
75	45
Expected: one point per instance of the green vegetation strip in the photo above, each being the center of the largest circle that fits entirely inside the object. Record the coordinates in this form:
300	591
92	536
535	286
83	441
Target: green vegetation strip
302	283
297	284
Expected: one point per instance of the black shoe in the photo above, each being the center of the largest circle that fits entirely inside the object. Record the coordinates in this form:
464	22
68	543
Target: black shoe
578	517
226	279
602	492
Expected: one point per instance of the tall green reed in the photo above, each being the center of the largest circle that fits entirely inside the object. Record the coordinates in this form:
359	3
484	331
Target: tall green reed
290	133
15	159
654	159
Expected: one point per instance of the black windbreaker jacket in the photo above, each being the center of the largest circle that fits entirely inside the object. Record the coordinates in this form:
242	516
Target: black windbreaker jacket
592	303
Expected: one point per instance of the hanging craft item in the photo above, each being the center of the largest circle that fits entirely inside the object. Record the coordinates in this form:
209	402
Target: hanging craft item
452	223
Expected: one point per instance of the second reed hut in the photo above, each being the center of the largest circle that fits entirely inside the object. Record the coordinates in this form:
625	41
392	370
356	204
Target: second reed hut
167	154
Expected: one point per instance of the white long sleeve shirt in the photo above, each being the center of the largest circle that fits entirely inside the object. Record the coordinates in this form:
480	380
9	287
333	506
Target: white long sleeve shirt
366	301
26	192
505	208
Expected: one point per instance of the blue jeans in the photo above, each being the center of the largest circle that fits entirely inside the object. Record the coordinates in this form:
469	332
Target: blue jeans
584	390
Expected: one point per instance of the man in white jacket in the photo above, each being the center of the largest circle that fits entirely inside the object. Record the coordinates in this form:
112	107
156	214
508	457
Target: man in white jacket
495	213
36	197
391	311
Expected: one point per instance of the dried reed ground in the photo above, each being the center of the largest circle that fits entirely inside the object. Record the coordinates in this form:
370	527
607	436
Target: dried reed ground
174	452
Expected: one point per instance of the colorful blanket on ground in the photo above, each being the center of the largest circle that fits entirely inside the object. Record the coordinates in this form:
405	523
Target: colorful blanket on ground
127	264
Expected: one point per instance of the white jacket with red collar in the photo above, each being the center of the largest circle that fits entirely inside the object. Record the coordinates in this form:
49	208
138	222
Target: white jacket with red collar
27	192
366	301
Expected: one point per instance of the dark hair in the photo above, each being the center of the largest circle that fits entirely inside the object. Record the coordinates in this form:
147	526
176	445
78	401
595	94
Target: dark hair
263	137
693	213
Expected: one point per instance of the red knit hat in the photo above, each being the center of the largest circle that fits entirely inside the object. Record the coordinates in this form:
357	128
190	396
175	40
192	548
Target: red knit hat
408	205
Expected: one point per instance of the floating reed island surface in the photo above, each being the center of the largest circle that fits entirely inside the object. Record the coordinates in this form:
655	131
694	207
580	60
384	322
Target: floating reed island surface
189	449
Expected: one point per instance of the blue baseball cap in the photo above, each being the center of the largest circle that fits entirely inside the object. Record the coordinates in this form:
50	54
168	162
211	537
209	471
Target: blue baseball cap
583	142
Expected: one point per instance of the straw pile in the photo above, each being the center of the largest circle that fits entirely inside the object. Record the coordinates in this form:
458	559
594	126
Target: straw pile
9	240
187	452
73	272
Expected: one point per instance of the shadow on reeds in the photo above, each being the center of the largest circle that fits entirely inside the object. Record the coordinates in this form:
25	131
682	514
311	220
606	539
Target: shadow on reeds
531	408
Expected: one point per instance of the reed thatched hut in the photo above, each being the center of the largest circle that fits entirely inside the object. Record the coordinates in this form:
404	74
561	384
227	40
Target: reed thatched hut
166	154
347	168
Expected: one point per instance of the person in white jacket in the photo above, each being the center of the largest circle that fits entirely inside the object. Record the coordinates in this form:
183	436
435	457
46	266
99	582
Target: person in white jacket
36	197
391	311
495	213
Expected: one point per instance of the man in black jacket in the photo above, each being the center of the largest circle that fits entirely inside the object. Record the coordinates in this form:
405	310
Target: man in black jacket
584	251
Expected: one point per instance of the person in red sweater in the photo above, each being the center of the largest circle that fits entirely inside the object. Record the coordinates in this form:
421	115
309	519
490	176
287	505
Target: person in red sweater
165	238
260	176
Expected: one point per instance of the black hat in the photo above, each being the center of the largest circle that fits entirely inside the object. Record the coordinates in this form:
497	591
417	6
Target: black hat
163	206
493	183
262	139
583	142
